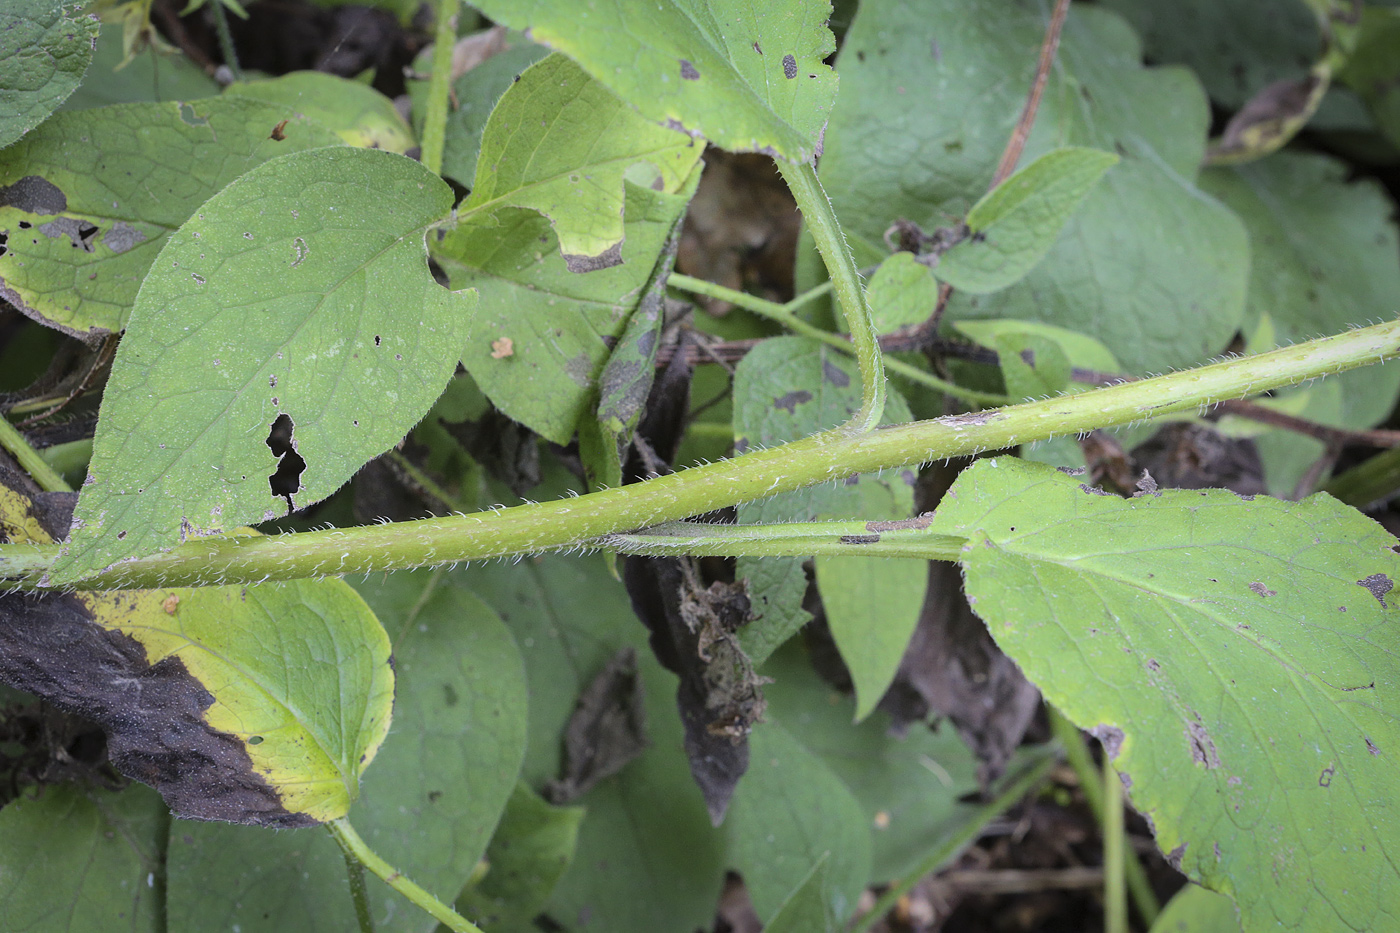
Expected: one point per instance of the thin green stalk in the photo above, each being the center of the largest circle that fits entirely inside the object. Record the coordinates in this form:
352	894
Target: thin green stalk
949	847
29	459
1091	783
784	315
359	895
355	848
226	40
1368	482
439	85
69	457
831	455
1115	893
820	219
790	539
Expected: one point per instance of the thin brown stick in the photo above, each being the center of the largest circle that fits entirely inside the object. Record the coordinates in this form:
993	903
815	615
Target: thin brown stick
1012	881
1017	143
1332	437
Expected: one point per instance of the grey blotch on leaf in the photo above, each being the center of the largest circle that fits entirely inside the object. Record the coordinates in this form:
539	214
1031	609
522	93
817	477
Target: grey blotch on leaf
688	71
612	256
34	195
1378	584
789	67
122	237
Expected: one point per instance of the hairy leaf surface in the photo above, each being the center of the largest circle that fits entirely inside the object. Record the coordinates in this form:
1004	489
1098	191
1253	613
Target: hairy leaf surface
88	200
748	76
289	332
1235	657
45	47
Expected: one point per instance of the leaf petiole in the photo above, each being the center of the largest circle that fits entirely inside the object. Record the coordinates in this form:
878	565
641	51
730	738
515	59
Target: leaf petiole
355	848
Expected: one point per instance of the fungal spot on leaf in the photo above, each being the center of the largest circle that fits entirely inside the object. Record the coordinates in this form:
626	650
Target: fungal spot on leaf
688	71
80	232
612	256
277	135
377	340
34	195
122	237
1260	589
859	539
1111	737
789	67
1377	584
1093	490
287	480
835	374
1202	747
757	48
1371	746
789	402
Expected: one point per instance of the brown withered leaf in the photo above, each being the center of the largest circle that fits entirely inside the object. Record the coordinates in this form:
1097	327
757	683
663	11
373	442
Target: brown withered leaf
607	730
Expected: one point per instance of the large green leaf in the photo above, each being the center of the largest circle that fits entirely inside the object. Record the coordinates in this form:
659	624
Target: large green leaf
429	804
789	813
570	617
1236	658
289	332
45	46
1374	68
74	860
84	220
745	75
1195	909
1323	260
784	389
934	93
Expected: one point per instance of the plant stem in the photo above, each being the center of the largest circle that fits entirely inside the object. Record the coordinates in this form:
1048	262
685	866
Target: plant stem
831	455
790	539
1115	892
29	459
439	86
1091	783
226	40
1372	480
949	847
820	219
783	315
358	895
355	849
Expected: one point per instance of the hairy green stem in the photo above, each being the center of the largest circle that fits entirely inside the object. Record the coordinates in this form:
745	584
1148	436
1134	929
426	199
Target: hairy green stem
790	539
820	218
1091	783
29	459
439	86
783	314
831	455
359	895
949	847
1115	892
355	848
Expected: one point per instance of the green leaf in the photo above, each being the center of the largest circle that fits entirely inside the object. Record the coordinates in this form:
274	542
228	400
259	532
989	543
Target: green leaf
539	340
1323	261
749	78
73	860
901	293
358	114
429	805
570	617
788	814
872	606
45	47
532	848
911	788
1373	69
1014	225
475	94
784	389
147	77
1195	909
570	166
84	222
806	909
1232	654
1115	270
289	331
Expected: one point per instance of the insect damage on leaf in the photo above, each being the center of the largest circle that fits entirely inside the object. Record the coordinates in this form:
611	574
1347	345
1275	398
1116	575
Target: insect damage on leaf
290	465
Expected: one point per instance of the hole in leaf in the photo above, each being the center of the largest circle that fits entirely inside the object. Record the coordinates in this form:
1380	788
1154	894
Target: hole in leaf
287	480
255	740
